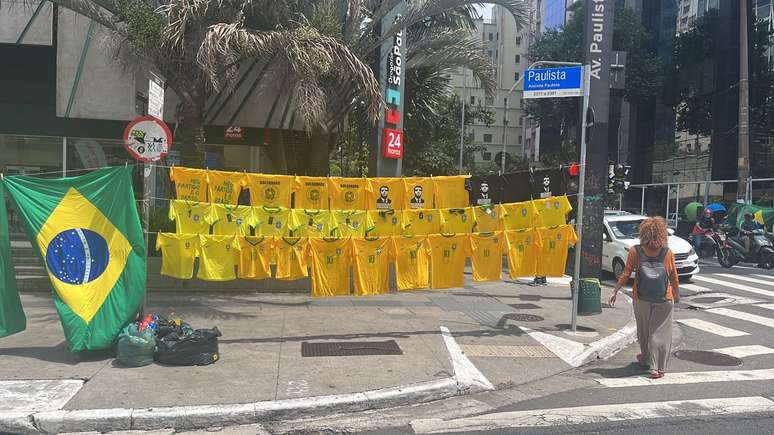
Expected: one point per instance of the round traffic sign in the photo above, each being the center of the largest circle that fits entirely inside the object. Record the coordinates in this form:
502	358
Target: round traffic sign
147	138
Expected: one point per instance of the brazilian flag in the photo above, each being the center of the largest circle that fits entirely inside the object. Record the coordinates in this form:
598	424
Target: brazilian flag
88	233
12	318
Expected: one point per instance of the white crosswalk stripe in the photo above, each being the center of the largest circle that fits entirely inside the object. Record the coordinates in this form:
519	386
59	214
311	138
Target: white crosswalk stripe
736	286
690	378
711	328
694	287
745	351
741	315
766	306
724	299
769	282
768	277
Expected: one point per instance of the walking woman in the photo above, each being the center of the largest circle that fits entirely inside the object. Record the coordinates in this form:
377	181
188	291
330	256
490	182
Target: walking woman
654	292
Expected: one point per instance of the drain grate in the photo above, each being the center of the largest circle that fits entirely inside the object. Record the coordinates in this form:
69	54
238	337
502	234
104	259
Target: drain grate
521	317
524	306
350	348
708	358
707	300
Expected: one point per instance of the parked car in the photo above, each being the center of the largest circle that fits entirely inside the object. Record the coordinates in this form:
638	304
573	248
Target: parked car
622	233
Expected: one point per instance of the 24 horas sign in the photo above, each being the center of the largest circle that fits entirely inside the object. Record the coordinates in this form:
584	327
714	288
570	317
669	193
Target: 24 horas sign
392	133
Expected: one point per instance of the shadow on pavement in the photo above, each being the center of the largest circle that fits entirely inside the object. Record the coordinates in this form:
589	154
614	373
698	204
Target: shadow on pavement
58	354
632	369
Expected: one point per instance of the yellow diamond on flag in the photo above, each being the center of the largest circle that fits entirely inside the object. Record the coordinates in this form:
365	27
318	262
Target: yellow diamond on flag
85	254
759	217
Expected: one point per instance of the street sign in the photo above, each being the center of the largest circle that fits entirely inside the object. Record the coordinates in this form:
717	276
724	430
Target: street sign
147	138
156	97
553	82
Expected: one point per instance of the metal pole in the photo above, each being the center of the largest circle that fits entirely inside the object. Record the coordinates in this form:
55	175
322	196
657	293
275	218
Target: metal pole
581	190
669	190
677	204
505	126
642	202
743	161
147	186
64	156
462	127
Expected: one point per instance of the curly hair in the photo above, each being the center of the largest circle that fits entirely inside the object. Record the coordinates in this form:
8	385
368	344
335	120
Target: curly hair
653	233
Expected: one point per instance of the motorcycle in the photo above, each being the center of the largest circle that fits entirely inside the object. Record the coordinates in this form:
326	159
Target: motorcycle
761	248
720	247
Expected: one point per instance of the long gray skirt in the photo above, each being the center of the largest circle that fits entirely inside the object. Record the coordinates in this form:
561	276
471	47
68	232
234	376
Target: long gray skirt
654	332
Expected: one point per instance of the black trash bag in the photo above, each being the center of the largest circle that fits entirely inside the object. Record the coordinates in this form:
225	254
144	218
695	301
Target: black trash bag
199	348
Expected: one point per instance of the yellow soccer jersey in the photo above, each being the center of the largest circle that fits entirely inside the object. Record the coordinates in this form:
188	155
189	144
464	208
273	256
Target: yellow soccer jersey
311	193
191	217
178	252
290	257
218	258
232	219
349	193
271	221
224	187
372	265
487	218
312	223
355	223
419	192
190	184
486	254
552	211
330	259
553	254
255	257
411	262
385	194
270	190
421	222
386	222
450	191
457	220
447	260
518	215
523	252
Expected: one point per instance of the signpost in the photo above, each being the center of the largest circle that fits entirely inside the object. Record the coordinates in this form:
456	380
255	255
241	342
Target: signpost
553	82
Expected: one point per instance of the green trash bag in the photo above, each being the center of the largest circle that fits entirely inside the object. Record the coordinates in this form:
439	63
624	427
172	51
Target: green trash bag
135	349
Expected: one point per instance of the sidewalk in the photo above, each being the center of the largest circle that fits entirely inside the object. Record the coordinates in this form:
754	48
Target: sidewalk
502	334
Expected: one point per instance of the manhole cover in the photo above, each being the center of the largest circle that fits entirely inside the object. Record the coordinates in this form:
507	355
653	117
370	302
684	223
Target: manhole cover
707	300
524	306
708	358
350	348
520	317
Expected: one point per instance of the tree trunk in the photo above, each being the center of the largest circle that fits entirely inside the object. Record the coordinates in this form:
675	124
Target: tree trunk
189	133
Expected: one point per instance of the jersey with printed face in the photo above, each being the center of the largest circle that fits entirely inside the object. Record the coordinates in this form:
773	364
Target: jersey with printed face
270	190
349	193
486	253
311	193
552	211
290	257
355	223
271	221
421	222
386	222
255	257
450	191
419	192
190	184
224	187
518	215
553	254
233	219
330	260
447	260
191	217
488	218
386	194
218	258
178	252
457	220
411	262
484	190
372	265
312	223
523	252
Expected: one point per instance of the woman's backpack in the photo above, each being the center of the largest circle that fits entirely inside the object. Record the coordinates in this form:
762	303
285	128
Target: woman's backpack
651	276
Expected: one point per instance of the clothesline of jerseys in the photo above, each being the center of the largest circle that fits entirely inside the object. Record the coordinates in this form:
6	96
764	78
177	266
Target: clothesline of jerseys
344	193
243	220
436	260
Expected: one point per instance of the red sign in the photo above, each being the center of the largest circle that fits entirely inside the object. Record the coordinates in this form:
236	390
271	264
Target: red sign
234	132
147	138
392	143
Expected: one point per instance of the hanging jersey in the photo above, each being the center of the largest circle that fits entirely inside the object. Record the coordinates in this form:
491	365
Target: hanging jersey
349	193
523	252
553	254
487	218
178	252
330	259
546	183
552	211
271	221
518	215
421	222
224	187
419	192
312	223
516	187
411	262
255	257
191	217
486	255
386	194
270	190
354	223
447	260
372	258
290	257
218	258
457	220
310	193
450	191
386	222
484	190
190	184
232	219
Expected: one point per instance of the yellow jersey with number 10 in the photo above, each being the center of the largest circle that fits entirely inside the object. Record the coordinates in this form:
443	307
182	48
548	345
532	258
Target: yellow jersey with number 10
523	252
178	252
372	265
447	260
191	217
486	254
330	260
290	257
218	258
411	262
255	256
553	255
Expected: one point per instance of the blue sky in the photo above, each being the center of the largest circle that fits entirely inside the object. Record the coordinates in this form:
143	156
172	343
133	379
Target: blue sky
485	10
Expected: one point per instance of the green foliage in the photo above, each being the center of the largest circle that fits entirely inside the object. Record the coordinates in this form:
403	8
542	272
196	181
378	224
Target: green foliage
143	25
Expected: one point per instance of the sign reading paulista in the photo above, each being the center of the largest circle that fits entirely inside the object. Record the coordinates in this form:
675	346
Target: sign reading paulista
553	82
392	134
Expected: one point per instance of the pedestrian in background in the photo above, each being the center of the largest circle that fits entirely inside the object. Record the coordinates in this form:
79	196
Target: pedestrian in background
655	291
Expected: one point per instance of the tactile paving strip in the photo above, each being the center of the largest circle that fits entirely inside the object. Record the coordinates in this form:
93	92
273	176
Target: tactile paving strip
507	351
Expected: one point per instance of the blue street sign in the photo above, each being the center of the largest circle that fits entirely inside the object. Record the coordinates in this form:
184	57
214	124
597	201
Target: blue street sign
553	82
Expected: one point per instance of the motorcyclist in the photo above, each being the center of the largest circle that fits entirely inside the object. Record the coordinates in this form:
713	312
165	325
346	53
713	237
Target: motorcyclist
746	228
704	224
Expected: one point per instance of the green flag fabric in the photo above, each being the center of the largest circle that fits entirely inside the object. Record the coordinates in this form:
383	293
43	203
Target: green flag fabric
88	233
12	318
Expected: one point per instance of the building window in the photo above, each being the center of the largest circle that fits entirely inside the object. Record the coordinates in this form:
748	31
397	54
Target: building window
505	101
490	54
497	36
491	36
472	100
521	120
497	53
518	40
519	142
487	138
518	59
516	76
489	101
487	156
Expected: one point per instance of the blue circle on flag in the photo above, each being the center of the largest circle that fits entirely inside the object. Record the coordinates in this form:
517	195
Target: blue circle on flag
77	256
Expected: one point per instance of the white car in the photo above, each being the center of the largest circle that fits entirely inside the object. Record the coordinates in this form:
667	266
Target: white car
622	233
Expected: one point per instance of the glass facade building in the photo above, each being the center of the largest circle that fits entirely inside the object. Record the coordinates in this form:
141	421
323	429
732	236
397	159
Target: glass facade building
554	14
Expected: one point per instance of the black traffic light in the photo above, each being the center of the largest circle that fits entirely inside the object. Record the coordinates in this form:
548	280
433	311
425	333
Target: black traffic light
620	177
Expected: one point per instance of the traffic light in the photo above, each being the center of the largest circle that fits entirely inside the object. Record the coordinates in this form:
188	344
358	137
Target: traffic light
573	179
620	178
611	177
